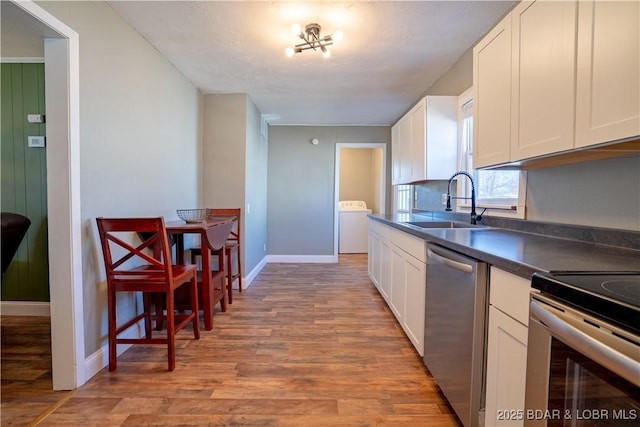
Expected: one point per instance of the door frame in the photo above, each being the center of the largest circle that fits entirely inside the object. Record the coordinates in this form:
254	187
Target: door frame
62	93
336	186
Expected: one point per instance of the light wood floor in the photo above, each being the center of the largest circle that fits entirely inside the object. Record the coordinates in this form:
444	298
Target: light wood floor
305	345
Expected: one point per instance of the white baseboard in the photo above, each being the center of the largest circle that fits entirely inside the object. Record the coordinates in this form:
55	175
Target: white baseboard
305	259
25	308
249	278
100	359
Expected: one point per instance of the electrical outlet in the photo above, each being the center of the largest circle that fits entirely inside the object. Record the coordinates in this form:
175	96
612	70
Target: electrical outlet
444	198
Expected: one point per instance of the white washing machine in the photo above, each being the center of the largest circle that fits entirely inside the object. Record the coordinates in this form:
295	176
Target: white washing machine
353	227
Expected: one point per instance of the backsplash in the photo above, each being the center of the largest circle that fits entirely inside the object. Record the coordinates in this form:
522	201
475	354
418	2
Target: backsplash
429	195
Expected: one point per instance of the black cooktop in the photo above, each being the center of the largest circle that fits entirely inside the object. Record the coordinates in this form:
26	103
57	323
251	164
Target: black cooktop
612	296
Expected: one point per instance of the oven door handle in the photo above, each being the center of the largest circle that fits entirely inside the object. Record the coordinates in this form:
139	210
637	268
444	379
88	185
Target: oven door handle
582	342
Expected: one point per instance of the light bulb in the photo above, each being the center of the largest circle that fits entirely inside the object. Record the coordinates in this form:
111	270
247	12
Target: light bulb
296	29
326	52
337	36
288	51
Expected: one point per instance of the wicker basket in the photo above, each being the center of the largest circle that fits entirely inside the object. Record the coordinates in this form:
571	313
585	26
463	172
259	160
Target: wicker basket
193	215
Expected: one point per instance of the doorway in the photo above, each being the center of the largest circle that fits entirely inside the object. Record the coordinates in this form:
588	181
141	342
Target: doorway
62	83
374	186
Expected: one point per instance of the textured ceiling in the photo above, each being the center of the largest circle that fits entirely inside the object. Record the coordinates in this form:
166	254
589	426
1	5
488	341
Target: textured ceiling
391	54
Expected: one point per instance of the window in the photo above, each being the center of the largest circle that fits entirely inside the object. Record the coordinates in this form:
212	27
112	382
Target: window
499	190
403	197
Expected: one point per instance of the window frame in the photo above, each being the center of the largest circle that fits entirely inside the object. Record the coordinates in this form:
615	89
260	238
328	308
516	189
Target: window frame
403	195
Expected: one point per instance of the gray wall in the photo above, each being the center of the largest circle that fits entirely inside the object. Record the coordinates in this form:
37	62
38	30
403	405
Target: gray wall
139	140
235	168
599	193
457	79
255	228
300	207
224	150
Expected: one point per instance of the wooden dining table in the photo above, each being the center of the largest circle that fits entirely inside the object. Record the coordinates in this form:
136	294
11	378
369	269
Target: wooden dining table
213	233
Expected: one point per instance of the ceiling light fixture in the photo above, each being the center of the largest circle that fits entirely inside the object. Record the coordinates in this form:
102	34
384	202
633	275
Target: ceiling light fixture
312	40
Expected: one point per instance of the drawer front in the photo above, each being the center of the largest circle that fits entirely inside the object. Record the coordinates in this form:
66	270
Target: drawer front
414	246
510	294
382	229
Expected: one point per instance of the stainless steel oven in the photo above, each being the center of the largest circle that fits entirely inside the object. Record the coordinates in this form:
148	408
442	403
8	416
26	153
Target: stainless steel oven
583	352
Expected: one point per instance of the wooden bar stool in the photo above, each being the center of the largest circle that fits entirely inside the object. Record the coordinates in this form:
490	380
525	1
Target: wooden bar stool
145	267
231	246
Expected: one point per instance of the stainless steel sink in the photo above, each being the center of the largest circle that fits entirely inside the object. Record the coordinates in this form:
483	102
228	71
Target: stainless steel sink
443	224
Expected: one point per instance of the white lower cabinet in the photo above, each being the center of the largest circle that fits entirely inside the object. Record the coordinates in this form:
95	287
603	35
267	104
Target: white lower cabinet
506	349
506	370
398	270
373	260
385	270
414	307
398	283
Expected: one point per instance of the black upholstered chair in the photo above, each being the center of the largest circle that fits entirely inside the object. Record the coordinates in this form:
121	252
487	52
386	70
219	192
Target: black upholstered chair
14	228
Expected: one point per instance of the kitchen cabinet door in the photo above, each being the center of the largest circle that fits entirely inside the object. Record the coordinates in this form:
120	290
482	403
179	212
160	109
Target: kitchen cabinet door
379	261
404	149
418	142
385	270
492	96
506	370
543	78
441	128
608	74
373	260
415	287
398	283
395	154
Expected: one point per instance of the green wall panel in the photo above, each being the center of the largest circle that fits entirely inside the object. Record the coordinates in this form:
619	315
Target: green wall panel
24	179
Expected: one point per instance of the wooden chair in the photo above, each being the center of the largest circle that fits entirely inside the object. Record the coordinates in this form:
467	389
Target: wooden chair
232	245
145	268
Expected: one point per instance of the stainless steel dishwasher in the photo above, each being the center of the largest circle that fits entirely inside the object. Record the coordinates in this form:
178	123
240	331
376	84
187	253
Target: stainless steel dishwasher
454	341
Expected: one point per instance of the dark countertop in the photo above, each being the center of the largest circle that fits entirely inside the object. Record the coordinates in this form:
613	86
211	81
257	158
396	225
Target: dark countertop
518	252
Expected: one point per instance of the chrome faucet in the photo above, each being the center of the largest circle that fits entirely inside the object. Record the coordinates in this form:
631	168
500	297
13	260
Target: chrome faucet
473	195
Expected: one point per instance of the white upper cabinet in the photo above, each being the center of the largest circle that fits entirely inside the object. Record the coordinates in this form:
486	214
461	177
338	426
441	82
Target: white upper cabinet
417	160
395	154
492	96
405	149
554	76
401	151
608	78
424	141
441	144
543	75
